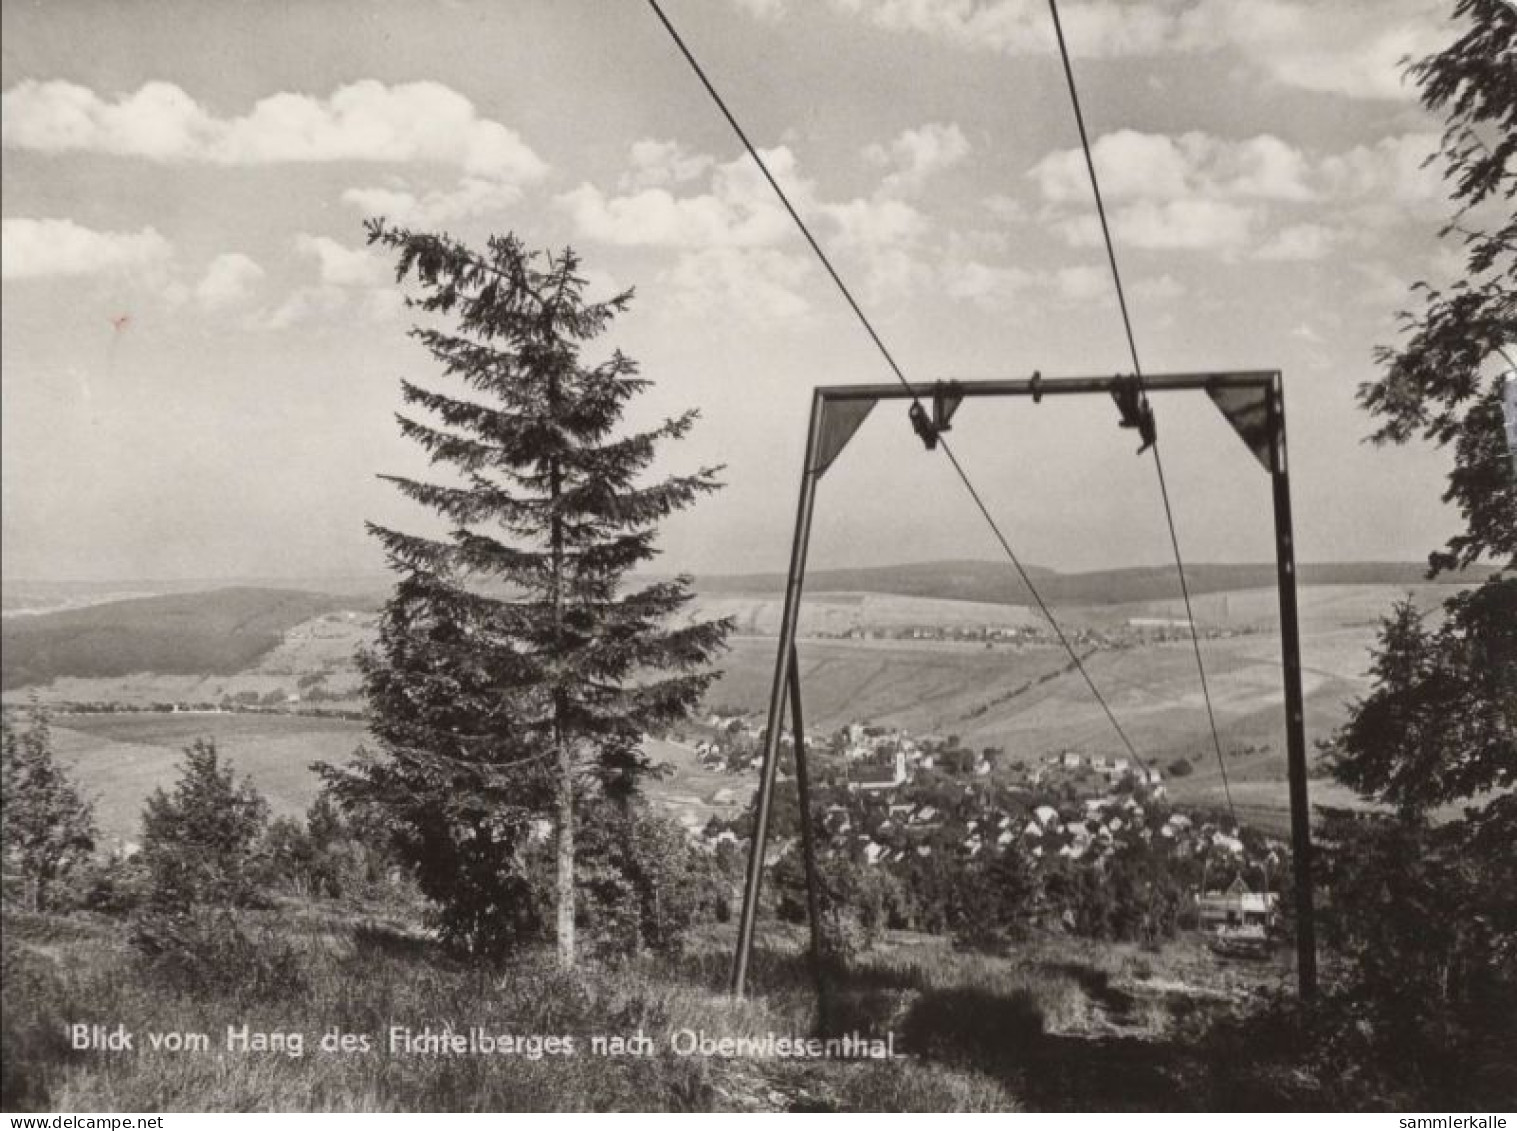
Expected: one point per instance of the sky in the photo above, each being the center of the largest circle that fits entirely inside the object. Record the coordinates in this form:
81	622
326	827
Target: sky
200	357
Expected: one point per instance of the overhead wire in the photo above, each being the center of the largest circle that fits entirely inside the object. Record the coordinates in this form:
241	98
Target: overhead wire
895	368
1132	346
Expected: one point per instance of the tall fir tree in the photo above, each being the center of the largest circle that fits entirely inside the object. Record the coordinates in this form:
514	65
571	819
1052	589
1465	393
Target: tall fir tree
517	669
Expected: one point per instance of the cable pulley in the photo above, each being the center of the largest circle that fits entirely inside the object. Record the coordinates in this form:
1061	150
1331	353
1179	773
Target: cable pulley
946	398
1132	403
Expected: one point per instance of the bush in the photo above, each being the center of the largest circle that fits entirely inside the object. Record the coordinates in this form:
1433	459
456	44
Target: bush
199	843
642	881
203	950
1180	768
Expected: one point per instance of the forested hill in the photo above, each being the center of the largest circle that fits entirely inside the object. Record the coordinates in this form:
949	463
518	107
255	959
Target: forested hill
997	583
216	632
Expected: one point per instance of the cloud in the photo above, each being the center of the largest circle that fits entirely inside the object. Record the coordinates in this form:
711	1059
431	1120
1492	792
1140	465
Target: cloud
1022	27
33	248
472	196
917	154
343	266
763	9
1301	242
657	164
755	284
1133	165
1198	192
366	121
738	209
1354	49
1349	47
228	281
352	285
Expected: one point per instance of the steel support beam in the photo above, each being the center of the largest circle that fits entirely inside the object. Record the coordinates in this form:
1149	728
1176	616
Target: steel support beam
808	841
782	667
1295	719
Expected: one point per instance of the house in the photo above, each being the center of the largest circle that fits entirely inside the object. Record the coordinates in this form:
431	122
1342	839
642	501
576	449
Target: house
875	778
1070	760
1236	906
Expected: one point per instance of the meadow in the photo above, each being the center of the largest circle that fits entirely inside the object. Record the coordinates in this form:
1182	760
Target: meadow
1054	1025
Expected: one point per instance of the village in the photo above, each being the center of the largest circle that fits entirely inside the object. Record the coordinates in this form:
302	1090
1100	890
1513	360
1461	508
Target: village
916	806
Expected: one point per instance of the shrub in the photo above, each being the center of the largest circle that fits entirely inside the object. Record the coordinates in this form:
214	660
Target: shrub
642	881
204	950
1180	768
199	843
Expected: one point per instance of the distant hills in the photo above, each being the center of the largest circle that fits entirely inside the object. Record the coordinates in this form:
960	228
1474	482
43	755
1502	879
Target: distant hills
217	632
997	583
222	631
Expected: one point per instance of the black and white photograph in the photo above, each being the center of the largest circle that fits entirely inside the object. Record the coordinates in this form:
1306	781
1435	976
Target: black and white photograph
758	556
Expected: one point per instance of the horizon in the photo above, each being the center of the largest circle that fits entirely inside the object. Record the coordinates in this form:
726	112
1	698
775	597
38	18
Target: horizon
245	580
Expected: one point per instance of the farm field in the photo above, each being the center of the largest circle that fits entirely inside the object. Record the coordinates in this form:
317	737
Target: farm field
121	758
1024	698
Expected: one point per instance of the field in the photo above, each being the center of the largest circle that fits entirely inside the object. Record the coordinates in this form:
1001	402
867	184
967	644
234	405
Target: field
1024	698
121	758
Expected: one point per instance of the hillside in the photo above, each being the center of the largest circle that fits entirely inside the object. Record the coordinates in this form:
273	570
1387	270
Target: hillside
994	583
206	633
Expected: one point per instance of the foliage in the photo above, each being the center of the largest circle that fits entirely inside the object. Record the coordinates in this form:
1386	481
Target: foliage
206	950
996	899
1440	724
642	882
48	827
331	854
1425	908
200	842
493	710
1433	383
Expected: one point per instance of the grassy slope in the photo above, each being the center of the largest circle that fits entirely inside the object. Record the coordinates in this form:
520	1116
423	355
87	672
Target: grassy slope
219	632
1056	1026
120	759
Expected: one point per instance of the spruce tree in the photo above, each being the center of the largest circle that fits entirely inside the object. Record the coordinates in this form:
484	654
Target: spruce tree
47	828
518	668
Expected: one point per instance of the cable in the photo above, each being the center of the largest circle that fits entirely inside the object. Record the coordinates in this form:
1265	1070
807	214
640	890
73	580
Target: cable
1132	346
1026	580
785	200
896	369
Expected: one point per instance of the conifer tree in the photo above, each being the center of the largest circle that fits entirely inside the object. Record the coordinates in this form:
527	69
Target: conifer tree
517	669
46	827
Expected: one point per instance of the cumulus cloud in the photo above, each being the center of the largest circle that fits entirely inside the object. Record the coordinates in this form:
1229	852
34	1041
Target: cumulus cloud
367	121
229	281
1301	242
1134	165
673	199
351	285
737	209
1197	192
472	196
1349	47
32	248
756	284
918	154
1355	49
658	164
341	266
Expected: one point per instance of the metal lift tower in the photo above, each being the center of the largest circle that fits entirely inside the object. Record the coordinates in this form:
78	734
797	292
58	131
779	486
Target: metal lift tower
1253	403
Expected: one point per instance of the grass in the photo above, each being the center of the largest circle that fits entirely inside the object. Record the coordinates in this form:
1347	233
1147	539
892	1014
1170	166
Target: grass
362	976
